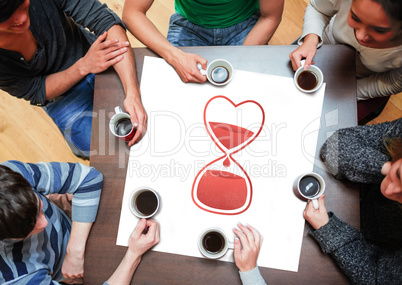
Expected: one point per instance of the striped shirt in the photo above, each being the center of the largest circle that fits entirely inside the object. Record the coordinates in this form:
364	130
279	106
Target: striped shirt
38	259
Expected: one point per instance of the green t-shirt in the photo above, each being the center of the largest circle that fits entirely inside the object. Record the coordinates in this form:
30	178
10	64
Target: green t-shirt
216	13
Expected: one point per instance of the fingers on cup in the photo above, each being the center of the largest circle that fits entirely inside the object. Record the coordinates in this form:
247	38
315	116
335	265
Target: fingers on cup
120	125
219	72
308	78
309	186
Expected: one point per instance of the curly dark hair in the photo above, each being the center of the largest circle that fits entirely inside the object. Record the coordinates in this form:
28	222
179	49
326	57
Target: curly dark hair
19	205
8	7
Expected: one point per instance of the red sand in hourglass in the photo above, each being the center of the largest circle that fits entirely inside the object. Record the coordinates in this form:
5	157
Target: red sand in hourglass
232	192
221	191
229	135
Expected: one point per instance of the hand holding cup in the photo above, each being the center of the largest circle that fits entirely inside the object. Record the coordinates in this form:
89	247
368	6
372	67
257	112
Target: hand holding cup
139	242
120	125
309	186
309	80
219	72
316	217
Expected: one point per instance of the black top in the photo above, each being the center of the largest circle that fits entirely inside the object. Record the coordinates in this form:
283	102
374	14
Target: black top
61	42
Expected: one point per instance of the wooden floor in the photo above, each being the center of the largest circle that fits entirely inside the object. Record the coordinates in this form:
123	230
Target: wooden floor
28	134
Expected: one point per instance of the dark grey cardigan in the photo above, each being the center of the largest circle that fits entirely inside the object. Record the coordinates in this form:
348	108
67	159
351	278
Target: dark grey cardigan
373	256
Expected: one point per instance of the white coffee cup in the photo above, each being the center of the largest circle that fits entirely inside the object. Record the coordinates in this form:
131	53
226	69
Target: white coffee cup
309	80
213	243
219	72
144	202
310	186
117	118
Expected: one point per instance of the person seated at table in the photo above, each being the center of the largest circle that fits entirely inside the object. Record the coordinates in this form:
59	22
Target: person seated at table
246	250
371	155
47	56
373	29
203	23
39	244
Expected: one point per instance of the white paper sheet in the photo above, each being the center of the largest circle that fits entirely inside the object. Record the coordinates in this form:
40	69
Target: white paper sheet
177	146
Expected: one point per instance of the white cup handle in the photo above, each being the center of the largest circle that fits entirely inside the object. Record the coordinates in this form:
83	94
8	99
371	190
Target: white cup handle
118	110
315	203
203	71
230	245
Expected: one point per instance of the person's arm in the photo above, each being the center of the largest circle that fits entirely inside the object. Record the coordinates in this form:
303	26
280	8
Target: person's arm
102	54
380	84
138	244
246	250
111	49
317	16
128	77
359	261
73	263
185	64
357	153
264	29
85	183
306	51
63	177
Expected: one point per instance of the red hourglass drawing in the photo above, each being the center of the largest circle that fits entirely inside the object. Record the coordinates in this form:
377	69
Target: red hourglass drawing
223	186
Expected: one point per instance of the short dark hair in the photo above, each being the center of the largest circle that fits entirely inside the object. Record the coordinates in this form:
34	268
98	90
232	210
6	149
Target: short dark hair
393	9
8	7
19	205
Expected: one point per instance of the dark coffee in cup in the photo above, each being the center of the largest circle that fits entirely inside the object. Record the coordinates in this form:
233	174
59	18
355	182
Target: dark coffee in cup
146	203
123	127
307	80
309	186
213	242
219	74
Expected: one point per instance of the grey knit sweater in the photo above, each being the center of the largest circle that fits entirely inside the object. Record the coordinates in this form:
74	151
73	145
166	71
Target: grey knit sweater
357	154
374	255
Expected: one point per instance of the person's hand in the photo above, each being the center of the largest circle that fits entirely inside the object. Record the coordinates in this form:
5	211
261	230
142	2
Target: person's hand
73	265
307	50
316	218
391	185
246	249
185	65
139	118
386	168
102	54
139	242
144	236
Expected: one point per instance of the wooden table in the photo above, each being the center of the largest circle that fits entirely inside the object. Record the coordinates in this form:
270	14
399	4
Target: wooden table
110	156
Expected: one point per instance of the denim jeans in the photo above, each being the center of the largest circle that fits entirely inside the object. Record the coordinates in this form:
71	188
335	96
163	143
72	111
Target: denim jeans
72	113
184	33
